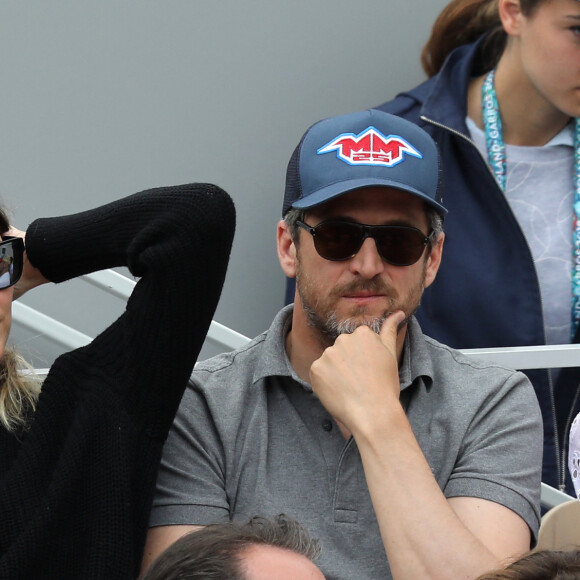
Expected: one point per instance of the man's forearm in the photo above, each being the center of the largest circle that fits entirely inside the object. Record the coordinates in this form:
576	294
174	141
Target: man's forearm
425	534
422	534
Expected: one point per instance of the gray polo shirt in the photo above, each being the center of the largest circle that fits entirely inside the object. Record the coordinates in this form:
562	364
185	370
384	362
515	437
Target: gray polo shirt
250	438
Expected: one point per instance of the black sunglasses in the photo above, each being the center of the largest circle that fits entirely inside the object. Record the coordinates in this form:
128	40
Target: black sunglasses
11	261
339	240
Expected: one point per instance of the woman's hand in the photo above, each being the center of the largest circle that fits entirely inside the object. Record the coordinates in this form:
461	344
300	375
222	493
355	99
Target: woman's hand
31	276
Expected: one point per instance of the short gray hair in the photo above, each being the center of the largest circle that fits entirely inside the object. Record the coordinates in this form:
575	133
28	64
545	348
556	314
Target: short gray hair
435	221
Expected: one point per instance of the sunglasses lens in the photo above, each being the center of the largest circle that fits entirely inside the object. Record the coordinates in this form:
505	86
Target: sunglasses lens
11	260
400	246
338	241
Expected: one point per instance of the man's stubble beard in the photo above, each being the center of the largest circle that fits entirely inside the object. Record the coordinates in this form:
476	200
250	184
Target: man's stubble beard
323	318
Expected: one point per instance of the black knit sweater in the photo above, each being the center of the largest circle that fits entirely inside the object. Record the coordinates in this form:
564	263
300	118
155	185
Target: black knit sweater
76	487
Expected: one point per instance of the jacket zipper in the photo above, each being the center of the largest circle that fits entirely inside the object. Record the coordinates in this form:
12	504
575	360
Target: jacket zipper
560	453
565	449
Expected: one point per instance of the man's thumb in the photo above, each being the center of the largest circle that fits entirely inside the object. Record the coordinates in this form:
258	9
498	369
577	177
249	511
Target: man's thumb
391	325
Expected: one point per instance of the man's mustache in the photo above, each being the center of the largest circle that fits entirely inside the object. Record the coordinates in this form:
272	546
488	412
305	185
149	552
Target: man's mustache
375	285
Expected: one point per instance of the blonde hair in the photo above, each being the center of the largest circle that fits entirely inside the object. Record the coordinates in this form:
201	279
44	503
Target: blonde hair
19	386
19	391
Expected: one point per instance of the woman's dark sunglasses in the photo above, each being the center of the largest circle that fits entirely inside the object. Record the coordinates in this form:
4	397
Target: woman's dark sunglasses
338	240
11	261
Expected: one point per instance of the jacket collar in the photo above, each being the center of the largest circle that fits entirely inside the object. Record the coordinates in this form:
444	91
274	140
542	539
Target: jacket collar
445	101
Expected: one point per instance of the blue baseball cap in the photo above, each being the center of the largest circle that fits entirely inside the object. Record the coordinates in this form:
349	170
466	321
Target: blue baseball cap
363	149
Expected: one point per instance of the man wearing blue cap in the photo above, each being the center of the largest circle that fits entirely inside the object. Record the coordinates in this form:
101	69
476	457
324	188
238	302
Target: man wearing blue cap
403	457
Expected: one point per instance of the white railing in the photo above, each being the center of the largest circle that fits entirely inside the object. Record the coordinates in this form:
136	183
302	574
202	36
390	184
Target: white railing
531	357
521	357
117	285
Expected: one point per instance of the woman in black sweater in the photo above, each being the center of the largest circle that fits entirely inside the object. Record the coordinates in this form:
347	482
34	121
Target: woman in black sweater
78	462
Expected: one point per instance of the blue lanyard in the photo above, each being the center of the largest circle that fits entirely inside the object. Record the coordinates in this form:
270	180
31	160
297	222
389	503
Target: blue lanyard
497	160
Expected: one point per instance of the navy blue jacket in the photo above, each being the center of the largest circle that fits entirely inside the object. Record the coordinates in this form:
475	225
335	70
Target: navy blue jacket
487	291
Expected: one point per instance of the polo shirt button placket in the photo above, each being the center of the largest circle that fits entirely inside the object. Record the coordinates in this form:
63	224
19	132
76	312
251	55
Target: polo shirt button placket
327	425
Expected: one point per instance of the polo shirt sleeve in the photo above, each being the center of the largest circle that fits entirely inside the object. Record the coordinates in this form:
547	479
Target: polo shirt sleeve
191	487
500	456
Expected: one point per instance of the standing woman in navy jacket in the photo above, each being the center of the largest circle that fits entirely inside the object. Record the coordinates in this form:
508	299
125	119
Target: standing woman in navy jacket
502	103
79	457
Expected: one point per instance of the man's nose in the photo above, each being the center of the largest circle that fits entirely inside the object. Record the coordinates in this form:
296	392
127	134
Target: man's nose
367	262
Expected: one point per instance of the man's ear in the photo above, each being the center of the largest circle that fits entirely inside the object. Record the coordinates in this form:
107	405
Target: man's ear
434	260
510	14
286	249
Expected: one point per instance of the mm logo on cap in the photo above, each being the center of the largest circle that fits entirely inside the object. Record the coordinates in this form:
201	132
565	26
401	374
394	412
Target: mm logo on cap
370	147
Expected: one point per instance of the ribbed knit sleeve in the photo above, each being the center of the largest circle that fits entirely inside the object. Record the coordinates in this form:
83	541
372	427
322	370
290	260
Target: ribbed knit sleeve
177	240
74	502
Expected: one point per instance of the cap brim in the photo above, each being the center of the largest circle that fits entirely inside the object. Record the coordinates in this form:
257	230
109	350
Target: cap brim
337	189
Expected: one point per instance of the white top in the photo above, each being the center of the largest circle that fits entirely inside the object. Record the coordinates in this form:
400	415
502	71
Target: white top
540	191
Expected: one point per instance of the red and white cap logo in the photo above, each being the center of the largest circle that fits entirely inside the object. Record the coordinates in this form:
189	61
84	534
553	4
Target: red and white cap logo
370	147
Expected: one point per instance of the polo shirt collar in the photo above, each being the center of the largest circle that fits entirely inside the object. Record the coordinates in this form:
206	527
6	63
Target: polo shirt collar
416	359
274	360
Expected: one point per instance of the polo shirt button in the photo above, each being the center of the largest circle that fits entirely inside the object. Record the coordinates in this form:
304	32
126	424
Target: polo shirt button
327	425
